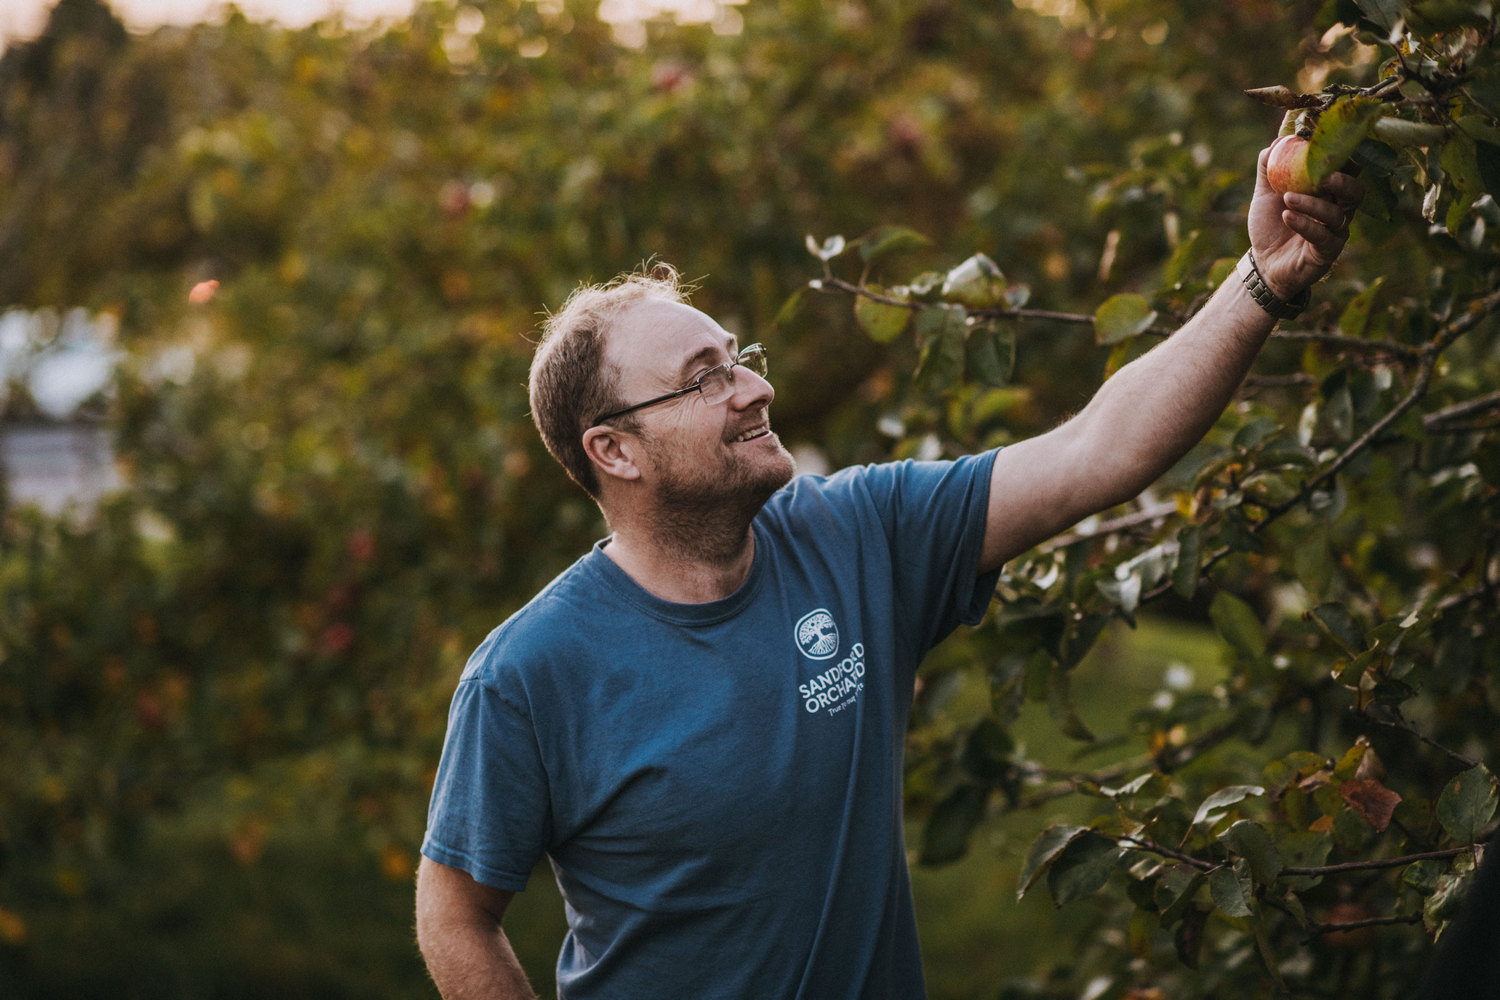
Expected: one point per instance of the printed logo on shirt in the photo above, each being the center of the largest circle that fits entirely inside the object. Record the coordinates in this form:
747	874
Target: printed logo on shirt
817	635
837	687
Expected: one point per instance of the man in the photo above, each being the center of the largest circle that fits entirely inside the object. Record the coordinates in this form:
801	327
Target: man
700	723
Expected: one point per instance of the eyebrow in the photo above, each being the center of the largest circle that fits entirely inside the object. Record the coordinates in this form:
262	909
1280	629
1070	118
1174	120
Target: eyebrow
705	356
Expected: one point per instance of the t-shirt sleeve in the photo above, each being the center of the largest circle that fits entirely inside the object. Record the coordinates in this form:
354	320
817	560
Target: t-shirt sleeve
489	814
934	515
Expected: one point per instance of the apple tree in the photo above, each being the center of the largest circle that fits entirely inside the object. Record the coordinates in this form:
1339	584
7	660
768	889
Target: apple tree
1307	824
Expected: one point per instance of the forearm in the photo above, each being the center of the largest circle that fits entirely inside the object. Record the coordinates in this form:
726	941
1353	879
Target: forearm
1157	407
459	934
468	961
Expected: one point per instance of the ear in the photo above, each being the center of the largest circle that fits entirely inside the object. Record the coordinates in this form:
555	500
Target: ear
612	451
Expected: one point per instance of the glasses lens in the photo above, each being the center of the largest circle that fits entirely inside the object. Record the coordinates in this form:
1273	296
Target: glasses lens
753	358
717	384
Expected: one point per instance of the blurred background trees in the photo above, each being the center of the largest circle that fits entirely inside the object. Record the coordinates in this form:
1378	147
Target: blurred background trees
223	688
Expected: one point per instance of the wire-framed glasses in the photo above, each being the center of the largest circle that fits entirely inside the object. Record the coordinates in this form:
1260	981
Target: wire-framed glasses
715	385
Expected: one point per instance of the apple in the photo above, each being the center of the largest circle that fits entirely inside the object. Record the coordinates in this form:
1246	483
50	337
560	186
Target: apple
1286	168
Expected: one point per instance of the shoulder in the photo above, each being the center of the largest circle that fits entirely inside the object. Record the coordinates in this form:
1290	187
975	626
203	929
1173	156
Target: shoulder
539	631
878	484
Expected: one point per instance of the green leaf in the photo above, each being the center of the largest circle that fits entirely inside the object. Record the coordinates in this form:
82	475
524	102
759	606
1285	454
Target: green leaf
881	321
1046	847
888	240
988	753
1083	867
789	310
1460	158
1188	938
1437	16
1238	624
1215	807
940	329
1467	805
1061	707
1305	849
1122	317
1175	890
945	838
1254	433
1385	13
1423	876
1375	157
1232	890
991	356
1250	841
1189	561
1267	954
1336	620
1355	319
977	283
1339	132
1185	258
1446	899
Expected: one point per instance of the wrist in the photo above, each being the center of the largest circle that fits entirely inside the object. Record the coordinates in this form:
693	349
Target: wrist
1264	295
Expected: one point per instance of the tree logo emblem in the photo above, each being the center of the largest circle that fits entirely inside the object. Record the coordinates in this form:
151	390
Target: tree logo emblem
817	635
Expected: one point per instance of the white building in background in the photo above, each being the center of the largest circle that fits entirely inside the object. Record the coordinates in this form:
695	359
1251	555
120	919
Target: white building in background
59	457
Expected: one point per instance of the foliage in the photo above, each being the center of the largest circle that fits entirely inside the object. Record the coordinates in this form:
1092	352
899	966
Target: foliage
229	683
1337	528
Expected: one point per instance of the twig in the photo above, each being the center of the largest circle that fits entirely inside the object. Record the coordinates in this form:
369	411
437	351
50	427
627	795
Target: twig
1152	847
1406	727
831	284
1405	351
1122	523
1374	863
1468	408
1315	929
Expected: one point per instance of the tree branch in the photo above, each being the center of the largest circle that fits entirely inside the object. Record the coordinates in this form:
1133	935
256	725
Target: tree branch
1404	351
831	284
1152	512
1458	411
1152	847
1373	864
1314	871
1403	726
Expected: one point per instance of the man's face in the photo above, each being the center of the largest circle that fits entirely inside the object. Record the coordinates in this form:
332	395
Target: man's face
697	456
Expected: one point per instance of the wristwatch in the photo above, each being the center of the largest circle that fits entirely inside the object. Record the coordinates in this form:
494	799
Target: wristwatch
1262	294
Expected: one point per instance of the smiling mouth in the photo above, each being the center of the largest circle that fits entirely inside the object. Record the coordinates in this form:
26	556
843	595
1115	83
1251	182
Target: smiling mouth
751	435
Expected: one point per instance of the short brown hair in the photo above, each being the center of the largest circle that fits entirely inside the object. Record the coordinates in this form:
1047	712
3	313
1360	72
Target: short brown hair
570	382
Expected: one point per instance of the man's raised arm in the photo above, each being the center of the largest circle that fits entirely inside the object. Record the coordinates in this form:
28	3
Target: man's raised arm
1153	410
458	931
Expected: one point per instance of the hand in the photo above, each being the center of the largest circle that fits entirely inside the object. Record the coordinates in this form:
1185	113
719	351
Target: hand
1297	237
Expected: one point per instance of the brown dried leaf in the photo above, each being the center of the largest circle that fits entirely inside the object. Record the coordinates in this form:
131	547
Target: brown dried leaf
1285	98
1372	800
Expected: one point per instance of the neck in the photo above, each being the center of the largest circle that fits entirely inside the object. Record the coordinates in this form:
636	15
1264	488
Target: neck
685	555
683	575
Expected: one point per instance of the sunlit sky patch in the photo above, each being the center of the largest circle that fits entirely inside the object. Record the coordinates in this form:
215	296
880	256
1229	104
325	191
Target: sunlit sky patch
24	19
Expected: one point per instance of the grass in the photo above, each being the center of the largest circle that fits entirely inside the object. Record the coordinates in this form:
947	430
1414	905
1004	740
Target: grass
976	935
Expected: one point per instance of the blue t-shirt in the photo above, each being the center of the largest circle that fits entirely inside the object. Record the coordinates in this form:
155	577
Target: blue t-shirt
718	786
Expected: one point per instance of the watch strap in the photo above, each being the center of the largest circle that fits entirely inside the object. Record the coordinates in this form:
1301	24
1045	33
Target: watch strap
1262	294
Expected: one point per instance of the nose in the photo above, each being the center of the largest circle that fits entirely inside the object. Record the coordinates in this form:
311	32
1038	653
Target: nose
750	389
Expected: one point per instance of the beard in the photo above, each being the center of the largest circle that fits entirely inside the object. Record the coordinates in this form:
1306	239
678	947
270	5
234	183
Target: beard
704	511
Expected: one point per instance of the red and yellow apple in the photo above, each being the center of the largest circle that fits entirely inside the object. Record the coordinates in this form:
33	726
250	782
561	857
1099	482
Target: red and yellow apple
1286	168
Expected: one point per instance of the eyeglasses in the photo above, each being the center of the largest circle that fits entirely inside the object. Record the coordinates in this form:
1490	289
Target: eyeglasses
715	385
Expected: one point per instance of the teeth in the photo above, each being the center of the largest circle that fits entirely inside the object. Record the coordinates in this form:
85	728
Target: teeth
757	432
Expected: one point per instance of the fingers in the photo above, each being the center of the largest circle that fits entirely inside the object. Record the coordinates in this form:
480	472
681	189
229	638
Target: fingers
1323	219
